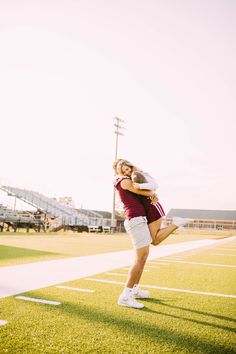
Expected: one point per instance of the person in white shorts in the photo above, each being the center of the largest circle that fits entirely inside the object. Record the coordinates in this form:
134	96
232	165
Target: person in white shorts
136	226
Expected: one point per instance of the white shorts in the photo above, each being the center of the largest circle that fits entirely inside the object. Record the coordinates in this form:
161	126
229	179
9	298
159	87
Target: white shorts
139	232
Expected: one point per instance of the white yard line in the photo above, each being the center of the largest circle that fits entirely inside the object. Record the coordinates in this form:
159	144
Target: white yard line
128	268
75	289
117	274
174	259
47	302
224	254
231	246
3	322
202	263
21	278
164	288
158	263
225	249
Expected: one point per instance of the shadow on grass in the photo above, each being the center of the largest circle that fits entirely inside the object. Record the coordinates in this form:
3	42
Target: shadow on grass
192	343
222	327
158	301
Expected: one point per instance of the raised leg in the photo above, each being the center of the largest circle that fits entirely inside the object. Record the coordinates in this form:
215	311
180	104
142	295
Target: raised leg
158	234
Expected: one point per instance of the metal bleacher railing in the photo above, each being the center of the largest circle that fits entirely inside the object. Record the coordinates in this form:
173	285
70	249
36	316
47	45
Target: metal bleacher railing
64	215
10	216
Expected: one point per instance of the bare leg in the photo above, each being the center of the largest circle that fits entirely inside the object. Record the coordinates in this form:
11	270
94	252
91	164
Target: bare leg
136	269
158	234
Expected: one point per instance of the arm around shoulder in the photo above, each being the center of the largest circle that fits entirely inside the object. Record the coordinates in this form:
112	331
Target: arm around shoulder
150	184
128	185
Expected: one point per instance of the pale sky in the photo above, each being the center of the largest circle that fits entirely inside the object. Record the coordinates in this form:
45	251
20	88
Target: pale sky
166	67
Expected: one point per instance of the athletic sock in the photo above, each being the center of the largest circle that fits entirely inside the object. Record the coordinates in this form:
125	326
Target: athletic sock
135	289
127	291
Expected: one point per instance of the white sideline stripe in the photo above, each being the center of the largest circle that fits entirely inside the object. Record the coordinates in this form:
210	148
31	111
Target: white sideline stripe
225	249
165	261
55	303
158	263
149	266
76	289
224	254
232	246
129	269
3	322
164	288
121	274
18	279
202	263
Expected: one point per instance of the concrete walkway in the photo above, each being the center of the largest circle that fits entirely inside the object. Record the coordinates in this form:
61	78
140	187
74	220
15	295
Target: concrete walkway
21	278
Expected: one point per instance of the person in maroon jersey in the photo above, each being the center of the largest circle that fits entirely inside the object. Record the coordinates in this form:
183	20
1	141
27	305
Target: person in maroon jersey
136	227
154	212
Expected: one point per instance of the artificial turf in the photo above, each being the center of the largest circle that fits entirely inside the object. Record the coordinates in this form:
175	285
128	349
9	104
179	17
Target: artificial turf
171	322
13	255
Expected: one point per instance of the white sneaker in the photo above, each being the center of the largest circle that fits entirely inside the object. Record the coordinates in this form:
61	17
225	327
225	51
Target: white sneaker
141	294
129	301
180	221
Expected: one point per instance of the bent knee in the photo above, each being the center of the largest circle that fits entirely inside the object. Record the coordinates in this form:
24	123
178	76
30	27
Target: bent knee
142	256
156	242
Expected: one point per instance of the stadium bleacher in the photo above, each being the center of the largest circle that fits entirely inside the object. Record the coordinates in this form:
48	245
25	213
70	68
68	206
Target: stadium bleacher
16	220
67	215
59	215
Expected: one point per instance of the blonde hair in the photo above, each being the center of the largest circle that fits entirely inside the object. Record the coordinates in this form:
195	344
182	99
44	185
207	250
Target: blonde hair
115	163
120	163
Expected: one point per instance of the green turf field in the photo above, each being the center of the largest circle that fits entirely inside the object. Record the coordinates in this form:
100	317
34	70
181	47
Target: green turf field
13	255
71	244
173	320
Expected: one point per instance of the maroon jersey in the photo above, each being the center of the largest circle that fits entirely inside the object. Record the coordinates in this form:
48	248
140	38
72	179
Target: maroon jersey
132	205
153	211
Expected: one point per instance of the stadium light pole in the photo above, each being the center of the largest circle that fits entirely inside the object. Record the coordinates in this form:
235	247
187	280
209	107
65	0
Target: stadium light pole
118	127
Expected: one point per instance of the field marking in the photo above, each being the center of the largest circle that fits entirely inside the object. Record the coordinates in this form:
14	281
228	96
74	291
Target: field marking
225	249
231	247
158	263
3	322
174	259
224	254
18	279
167	289
129	269
123	274
175	256
118	274
55	303
150	266
202	263
75	289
